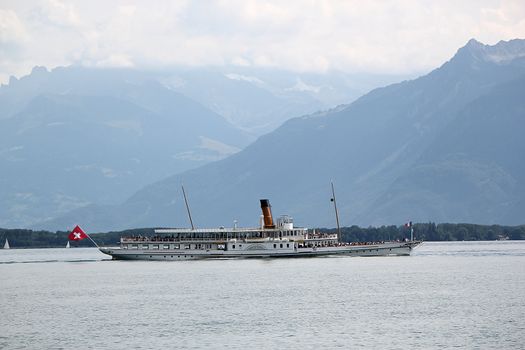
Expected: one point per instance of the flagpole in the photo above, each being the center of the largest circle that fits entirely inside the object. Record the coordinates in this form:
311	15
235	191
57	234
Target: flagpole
91	239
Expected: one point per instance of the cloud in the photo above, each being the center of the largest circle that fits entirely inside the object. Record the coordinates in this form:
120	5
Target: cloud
394	36
60	13
115	60
11	28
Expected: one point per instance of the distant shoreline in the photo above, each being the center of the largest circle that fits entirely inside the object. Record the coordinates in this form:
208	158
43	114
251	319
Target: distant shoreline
445	232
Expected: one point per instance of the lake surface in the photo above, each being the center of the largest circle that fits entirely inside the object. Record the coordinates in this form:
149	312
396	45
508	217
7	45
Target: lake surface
462	294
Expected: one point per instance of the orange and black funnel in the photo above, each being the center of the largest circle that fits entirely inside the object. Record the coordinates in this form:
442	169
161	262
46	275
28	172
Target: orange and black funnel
267	213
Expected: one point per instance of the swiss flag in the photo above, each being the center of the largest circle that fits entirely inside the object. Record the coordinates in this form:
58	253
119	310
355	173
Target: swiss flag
77	234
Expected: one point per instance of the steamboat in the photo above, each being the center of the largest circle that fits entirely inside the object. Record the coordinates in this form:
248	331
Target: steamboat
279	239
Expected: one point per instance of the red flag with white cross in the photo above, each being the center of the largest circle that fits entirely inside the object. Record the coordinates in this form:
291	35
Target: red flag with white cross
77	234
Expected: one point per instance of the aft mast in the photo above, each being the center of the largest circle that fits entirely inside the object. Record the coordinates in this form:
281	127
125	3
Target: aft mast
336	213
187	207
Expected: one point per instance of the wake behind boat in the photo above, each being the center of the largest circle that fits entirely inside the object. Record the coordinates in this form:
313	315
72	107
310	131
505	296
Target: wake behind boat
269	240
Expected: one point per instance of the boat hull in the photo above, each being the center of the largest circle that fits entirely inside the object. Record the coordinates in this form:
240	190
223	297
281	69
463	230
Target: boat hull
386	249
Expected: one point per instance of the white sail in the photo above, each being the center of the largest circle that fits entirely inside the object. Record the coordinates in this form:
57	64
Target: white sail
6	245
67	245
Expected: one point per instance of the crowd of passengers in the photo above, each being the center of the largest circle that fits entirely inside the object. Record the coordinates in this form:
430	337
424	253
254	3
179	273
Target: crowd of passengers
157	238
337	244
170	238
140	238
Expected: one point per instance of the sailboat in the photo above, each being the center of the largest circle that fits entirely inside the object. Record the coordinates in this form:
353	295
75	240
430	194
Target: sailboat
67	245
6	245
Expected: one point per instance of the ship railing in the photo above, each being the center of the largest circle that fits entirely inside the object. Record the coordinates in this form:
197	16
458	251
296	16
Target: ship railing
169	240
223	230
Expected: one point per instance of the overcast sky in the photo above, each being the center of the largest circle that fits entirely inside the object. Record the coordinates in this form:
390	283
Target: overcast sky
397	36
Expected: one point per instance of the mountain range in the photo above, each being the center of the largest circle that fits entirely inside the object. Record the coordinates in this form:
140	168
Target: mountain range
77	136
73	136
445	147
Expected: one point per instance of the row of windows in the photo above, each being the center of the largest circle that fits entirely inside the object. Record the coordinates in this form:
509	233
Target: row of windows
274	245
281	245
167	246
189	246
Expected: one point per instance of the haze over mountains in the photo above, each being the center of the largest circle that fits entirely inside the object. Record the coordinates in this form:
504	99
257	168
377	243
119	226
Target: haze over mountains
77	136
260	100
446	147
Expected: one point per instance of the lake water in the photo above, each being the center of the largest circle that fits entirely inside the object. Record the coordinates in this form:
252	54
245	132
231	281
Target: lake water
463	294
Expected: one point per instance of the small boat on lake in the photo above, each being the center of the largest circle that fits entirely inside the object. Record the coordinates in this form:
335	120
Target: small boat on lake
270	240
6	244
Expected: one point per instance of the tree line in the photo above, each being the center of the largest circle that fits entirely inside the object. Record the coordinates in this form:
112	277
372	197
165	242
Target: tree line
433	232
23	238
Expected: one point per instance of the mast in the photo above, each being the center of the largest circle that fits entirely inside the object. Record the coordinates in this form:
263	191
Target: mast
336	213
187	207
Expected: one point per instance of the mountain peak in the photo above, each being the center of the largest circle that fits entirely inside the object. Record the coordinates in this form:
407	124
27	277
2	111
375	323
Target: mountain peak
473	43
39	70
500	53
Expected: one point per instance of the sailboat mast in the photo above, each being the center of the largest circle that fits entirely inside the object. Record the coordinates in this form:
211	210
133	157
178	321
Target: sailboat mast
336	213
187	207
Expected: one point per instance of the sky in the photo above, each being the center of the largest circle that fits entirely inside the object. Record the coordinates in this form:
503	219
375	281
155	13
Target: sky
354	36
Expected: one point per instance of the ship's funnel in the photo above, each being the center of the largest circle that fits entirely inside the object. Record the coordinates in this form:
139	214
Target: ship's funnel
267	213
